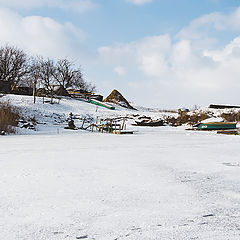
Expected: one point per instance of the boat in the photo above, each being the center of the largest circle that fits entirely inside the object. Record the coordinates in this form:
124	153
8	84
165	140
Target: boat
150	123
217	126
101	104
229	132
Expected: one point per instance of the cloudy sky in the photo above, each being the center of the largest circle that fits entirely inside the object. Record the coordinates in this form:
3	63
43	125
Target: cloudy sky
159	53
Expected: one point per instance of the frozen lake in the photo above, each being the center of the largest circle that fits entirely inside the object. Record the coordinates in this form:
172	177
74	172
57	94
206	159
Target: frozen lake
160	183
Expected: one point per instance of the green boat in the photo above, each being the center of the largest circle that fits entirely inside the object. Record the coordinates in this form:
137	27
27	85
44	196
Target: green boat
217	126
101	104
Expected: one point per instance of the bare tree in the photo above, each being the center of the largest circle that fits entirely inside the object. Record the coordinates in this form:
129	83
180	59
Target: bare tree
66	75
13	65
17	69
45	70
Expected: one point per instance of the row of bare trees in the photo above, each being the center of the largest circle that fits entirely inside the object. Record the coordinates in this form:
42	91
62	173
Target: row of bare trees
19	69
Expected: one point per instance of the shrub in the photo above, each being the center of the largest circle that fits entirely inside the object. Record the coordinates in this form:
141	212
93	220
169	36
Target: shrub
196	118
185	118
231	116
172	121
9	118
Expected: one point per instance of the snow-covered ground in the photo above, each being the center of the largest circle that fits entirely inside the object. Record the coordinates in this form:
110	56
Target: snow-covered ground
159	183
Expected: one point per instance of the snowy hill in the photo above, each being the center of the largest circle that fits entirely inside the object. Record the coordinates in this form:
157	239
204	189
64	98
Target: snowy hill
51	118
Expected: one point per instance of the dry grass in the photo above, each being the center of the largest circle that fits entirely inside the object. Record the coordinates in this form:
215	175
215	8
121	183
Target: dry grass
185	118
231	116
168	111
9	118
196	118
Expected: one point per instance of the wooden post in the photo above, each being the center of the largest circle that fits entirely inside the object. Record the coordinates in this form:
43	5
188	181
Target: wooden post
96	122
34	89
51	96
100	125
110	127
83	122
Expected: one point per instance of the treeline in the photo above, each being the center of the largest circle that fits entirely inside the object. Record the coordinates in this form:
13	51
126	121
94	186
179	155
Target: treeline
17	69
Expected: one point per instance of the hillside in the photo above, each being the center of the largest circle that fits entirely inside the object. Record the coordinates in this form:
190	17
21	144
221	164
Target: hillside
52	118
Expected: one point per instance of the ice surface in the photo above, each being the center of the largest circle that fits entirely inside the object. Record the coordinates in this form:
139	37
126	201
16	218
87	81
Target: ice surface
159	183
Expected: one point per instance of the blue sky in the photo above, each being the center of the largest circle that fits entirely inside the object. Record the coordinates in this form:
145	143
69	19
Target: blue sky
160	53
120	21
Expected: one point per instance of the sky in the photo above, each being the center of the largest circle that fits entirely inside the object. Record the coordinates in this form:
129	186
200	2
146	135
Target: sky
157	53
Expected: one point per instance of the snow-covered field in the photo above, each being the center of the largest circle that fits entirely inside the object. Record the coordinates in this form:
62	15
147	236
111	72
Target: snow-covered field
159	183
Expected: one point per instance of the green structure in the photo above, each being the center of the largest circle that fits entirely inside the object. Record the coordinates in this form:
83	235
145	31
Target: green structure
101	104
217	126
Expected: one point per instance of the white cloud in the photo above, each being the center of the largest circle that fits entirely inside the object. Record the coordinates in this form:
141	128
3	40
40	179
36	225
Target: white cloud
148	54
230	51
121	71
210	23
39	35
152	54
74	5
183	69
139	2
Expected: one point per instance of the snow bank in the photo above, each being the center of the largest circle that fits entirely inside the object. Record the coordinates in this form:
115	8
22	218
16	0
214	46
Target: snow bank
213	119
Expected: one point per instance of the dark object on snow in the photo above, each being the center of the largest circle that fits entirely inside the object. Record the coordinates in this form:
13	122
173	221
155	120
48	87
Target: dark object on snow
82	237
150	123
96	97
208	215
229	132
144	117
71	124
216	106
2	133
28	126
117	98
